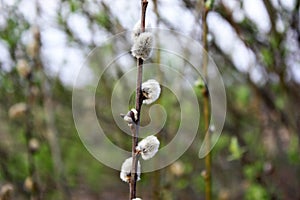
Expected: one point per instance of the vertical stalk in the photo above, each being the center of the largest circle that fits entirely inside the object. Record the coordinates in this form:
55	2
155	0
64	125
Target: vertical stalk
51	130
35	193
207	175
138	106
49	111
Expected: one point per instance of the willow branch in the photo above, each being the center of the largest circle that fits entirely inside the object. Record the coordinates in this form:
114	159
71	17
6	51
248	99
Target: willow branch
49	109
51	130
207	174
35	192
138	106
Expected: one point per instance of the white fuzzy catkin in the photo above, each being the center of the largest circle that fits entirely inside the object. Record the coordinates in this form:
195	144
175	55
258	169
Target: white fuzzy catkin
126	170
135	113
151	91
130	117
136	31
148	147
137	199
142	46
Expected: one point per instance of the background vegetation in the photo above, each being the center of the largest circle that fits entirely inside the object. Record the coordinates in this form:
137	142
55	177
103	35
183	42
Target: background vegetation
256	157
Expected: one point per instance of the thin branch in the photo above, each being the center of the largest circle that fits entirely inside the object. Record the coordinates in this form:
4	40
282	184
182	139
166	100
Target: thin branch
35	192
207	174
138	106
48	105
51	130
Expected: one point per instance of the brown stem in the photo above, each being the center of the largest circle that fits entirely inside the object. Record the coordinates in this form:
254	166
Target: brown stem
51	130
138	106
49	111
207	176
143	14
52	137
35	193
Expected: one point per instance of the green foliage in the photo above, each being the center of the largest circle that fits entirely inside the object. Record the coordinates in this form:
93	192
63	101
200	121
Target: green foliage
235	150
72	164
199	84
274	40
253	170
293	151
256	192
88	172
166	195
13	31
74	5
45	165
181	184
104	20
18	167
6	84
209	4
251	138
198	182
221	145
242	94
267	56
280	102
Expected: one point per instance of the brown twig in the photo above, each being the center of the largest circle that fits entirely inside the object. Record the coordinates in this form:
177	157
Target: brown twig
138	106
35	192
207	174
49	109
51	130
